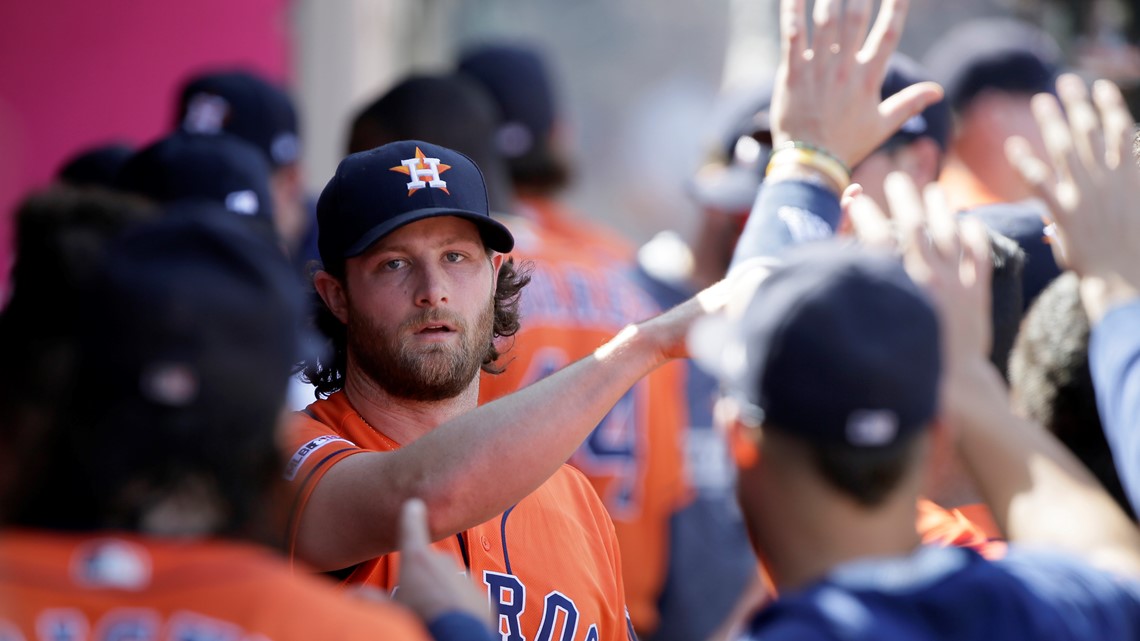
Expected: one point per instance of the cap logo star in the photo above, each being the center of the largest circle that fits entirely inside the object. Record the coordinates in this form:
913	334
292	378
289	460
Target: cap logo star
424	172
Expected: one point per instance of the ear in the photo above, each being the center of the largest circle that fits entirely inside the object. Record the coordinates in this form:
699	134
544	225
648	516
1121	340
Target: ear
332	291
496	264
743	440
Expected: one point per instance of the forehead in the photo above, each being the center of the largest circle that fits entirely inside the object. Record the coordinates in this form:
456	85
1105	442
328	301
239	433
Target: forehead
430	232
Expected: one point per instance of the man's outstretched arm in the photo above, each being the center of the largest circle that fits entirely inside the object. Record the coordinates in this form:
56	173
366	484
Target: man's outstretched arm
475	466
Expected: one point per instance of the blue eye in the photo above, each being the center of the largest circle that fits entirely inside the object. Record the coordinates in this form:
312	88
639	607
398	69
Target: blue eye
395	264
453	257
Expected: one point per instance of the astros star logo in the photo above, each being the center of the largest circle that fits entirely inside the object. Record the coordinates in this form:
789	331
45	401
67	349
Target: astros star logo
422	167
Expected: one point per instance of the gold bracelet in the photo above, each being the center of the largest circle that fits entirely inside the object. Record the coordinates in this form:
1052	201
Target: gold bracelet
823	163
800	144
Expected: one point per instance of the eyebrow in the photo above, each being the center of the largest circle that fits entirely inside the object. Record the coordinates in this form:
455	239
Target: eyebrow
450	240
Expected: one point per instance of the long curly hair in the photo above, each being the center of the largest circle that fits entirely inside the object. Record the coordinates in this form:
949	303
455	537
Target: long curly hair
327	371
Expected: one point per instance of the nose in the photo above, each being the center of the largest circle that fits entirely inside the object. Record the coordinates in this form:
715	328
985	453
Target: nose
431	286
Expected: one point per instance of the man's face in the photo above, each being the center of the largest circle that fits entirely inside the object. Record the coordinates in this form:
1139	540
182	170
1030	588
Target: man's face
421	309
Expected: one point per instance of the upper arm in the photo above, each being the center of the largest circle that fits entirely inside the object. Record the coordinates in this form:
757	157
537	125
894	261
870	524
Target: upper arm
346	517
1114	359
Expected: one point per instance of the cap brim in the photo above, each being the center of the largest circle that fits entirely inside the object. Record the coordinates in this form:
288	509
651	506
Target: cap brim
495	235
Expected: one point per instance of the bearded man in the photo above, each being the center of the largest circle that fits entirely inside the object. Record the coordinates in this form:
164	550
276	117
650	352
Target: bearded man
415	289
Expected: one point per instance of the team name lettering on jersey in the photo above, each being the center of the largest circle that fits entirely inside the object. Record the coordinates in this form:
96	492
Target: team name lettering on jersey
422	167
559	615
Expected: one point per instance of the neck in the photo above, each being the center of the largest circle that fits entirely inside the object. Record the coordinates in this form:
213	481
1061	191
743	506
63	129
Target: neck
804	529
400	419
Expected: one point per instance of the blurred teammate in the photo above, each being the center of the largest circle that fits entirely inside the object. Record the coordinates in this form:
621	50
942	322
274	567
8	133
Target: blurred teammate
142	517
244	104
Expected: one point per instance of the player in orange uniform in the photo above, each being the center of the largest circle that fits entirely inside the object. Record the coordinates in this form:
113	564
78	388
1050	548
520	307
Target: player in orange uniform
161	460
416	286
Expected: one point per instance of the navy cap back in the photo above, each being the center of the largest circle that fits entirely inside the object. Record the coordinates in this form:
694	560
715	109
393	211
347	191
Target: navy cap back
245	105
1001	54
95	166
516	77
838	347
222	169
377	191
186	303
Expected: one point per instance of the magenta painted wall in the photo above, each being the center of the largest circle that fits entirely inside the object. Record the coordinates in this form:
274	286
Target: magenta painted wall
81	72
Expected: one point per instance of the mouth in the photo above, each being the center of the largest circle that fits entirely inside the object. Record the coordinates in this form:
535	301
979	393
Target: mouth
435	328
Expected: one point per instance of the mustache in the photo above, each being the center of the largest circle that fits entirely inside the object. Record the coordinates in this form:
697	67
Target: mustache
434	317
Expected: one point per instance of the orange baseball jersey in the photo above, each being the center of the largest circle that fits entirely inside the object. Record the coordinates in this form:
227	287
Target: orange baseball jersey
970	528
550	564
555	220
71	587
634	457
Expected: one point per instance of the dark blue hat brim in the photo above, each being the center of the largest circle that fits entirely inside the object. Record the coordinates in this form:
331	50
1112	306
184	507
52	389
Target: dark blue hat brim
495	235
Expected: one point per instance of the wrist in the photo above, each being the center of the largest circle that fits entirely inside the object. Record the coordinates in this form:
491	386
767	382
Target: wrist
1100	293
797	160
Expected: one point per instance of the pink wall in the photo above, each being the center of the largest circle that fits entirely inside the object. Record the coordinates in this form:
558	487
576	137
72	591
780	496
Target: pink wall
77	72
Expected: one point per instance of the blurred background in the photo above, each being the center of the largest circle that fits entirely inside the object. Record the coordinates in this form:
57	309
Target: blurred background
638	80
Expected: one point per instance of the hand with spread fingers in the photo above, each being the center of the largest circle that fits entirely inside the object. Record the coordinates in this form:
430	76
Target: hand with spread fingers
1091	185
827	92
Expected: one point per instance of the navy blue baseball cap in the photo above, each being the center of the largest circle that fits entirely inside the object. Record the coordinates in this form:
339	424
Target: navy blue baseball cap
837	346
516	77
377	191
1002	54
245	105
97	166
933	122
222	169
193	313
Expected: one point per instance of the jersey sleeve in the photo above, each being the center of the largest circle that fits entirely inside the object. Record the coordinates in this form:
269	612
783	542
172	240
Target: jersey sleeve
786	213
1114	359
1089	603
313	448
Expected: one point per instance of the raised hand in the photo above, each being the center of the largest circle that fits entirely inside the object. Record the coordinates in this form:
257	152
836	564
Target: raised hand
827	90
1091	185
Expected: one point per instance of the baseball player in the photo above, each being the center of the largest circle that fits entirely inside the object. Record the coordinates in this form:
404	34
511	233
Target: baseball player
416	288
160	462
577	300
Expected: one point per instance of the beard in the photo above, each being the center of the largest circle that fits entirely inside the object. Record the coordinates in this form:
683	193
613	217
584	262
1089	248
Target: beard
433	372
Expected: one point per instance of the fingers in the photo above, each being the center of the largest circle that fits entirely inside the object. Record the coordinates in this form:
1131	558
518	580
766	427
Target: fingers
1033	171
883	39
793	28
1056	135
857	15
900	107
977	263
941	222
870	223
1119	129
413	526
1084	123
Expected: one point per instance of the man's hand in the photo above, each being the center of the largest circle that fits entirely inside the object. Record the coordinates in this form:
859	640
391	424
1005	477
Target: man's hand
1092	187
429	582
827	91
